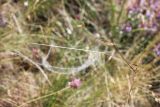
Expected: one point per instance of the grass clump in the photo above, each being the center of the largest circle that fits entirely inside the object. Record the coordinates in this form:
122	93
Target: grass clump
111	47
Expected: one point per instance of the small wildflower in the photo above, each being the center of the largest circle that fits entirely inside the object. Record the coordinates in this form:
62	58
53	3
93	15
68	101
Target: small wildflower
155	5
78	17
143	26
97	35
154	27
75	83
121	32
26	3
69	31
148	14
142	2
128	28
157	50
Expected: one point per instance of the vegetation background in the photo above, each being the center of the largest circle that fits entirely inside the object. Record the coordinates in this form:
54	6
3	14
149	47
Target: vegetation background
79	53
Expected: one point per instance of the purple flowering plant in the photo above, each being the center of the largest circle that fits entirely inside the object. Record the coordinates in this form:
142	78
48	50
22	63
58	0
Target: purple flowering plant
157	49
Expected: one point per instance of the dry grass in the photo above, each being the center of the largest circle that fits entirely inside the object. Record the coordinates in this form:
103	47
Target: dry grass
75	38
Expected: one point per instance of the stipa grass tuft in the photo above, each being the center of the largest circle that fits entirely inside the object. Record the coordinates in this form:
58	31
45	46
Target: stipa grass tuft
79	53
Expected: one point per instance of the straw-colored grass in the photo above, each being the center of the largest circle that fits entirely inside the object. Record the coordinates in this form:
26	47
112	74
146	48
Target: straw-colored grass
75	38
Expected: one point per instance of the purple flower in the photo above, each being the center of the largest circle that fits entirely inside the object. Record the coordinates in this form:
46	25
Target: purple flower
142	2
75	83
128	28
154	27
142	25
155	4
157	50
148	14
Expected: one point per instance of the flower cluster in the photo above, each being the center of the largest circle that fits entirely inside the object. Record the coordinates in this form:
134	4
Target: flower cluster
147	12
75	83
157	49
